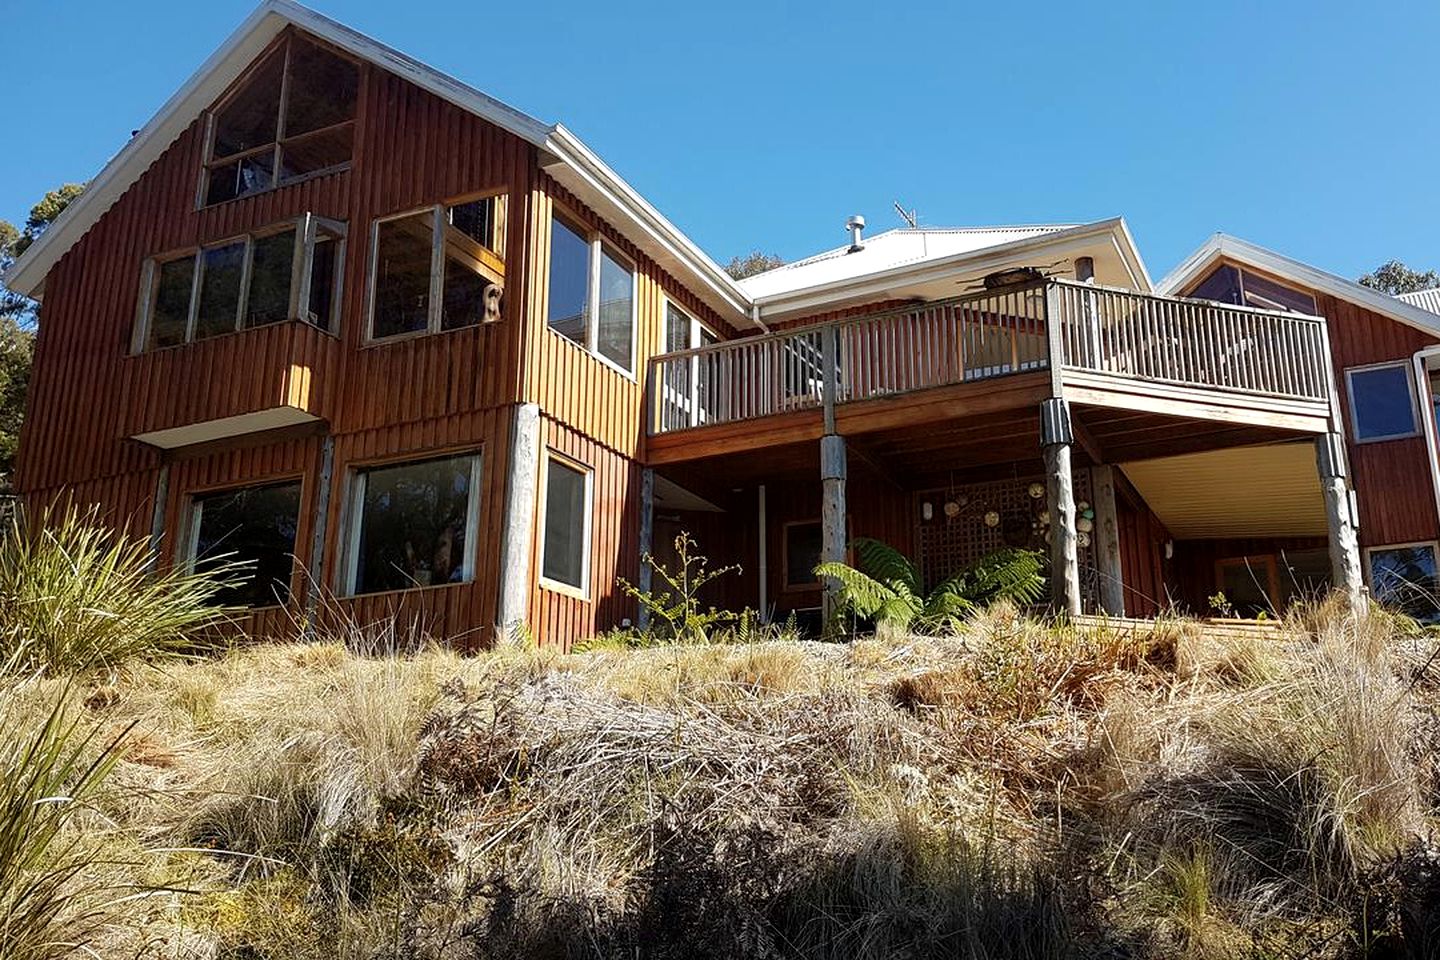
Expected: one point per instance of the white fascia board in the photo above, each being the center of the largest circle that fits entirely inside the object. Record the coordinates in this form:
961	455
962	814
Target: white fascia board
958	265
580	170
1223	246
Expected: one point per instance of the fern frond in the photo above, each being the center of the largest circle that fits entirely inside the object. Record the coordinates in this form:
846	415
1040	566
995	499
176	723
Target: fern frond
886	564
1008	574
860	592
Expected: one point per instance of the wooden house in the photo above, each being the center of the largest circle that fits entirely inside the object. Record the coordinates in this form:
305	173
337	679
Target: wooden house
415	354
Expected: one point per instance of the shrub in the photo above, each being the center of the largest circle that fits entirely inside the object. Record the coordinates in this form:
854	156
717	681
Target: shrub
49	771
676	611
76	596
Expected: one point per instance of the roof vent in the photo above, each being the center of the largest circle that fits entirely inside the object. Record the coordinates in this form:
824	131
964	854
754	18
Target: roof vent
856	226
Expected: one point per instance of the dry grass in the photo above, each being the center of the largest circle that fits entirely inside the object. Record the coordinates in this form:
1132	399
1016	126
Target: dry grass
1022	789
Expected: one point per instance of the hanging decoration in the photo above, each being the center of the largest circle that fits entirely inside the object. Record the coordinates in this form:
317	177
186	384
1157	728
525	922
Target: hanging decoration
1036	491
992	519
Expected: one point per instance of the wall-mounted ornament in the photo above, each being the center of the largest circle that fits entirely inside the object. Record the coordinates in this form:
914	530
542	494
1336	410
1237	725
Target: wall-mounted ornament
1037	490
952	509
1088	513
1044	517
1084	525
1082	540
992	519
927	511
1083	505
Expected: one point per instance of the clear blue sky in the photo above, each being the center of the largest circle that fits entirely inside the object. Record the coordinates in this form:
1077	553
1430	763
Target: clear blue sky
1306	127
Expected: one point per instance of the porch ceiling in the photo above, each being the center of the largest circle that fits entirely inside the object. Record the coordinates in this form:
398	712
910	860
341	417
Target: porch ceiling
1271	490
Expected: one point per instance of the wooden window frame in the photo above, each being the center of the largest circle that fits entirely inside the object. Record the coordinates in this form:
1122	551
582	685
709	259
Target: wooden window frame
586	544
1433	545
208	159
788	586
1416	417
598	242
435	308
306	228
689	404
187	543
353	517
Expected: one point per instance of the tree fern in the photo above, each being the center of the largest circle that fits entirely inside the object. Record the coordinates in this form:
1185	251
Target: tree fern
885	587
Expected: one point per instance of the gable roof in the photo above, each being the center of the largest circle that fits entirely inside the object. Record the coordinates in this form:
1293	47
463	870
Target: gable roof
908	256
1424	299
562	155
1222	246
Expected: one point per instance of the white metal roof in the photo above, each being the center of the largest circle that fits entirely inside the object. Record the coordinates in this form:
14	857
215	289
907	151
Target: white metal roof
561	152
1424	299
1222	246
885	251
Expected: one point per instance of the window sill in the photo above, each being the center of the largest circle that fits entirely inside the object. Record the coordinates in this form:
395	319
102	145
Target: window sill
221	337
1398	436
555	586
372	342
286	185
404	591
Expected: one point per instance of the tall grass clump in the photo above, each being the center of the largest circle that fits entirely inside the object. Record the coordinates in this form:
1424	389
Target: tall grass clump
75	596
50	769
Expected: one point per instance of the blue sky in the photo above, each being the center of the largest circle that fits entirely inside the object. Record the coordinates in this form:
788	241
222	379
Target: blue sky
1306	127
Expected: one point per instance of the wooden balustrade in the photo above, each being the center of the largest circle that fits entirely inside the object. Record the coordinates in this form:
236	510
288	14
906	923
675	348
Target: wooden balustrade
995	333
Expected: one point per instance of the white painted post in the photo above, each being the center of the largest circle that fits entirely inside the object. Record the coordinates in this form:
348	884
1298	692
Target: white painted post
1106	535
522	482
764	558
1339	515
157	516
1056	438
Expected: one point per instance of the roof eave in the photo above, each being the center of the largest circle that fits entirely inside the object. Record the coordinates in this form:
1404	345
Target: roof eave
1223	246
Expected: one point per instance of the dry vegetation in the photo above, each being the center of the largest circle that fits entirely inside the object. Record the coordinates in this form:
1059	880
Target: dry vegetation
1020	790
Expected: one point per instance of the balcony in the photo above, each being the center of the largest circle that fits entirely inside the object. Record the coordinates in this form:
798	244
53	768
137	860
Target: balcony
1097	346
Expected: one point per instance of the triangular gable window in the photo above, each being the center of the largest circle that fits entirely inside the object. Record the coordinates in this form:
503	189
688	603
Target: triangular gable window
1230	284
292	116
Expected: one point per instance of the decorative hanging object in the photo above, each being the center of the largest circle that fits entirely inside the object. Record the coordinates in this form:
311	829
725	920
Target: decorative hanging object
992	519
1083	540
1037	490
1044	517
952	509
1084	525
1088	513
927	511
1082	506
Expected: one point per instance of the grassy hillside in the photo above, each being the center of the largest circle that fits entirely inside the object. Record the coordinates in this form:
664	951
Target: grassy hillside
1018	790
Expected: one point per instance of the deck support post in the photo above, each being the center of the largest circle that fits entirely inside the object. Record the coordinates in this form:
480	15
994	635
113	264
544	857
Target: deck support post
1107	541
647	541
832	513
1057	436
517	537
1340	517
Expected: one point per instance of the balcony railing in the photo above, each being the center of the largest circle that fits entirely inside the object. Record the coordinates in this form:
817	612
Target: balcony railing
997	333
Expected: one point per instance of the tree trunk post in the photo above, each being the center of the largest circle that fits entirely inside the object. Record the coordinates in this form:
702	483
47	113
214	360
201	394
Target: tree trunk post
1106	535
647	542
1056	439
522	483
832	514
1340	517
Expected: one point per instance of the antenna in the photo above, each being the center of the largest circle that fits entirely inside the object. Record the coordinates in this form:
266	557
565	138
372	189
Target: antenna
909	216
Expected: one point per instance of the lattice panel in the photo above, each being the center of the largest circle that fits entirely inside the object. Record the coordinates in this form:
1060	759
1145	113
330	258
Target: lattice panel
949	543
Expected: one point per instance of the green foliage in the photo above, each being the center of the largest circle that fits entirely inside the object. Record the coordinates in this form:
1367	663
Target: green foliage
49	771
885	586
76	596
753	263
45	213
1393	277
676	612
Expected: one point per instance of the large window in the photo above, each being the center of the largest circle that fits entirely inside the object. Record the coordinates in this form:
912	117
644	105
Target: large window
1382	402
592	293
1230	284
438	269
566	554
254	527
292	116
1407	578
246	281
413	524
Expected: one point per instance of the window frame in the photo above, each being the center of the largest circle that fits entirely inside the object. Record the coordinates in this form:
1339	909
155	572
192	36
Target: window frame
1253	562
188	542
586	543
1369	552
689	403
1415	414
209	161
435	308
788	586
306	228
597	243
353	518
